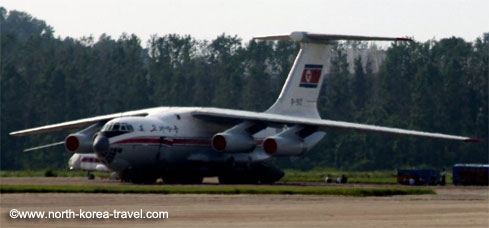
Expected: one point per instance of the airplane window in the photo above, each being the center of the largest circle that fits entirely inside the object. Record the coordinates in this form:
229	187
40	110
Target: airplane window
123	127
118	127
107	127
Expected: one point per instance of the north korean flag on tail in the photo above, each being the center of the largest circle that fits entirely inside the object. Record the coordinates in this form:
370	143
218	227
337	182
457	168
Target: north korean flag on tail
311	75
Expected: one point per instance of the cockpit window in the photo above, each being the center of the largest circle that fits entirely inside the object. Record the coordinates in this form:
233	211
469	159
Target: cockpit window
105	128
118	127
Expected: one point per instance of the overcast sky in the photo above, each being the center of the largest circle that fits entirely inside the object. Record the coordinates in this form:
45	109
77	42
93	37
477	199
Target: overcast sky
206	19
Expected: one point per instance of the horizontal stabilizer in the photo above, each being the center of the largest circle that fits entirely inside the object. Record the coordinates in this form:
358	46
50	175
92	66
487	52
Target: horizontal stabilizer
327	38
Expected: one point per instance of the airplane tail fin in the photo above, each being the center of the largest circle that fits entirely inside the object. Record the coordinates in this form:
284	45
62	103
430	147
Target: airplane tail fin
301	89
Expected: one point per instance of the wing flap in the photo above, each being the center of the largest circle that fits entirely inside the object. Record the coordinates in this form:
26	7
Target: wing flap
277	119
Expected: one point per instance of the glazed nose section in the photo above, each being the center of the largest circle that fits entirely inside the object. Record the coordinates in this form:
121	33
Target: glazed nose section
101	145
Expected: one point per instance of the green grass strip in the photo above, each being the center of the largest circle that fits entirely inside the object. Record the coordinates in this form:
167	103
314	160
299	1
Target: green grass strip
354	177
50	172
315	175
280	190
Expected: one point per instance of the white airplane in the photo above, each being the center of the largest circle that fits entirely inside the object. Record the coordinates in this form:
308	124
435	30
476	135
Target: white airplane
185	144
87	162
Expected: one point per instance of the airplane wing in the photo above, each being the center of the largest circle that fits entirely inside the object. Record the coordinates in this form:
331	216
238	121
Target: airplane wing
226	116
44	146
77	123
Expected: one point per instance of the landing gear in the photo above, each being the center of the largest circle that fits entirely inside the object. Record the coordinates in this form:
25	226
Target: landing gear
90	175
256	174
114	176
144	180
238	179
137	177
183	179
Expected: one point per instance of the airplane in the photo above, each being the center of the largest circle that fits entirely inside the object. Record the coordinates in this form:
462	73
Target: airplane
87	162
182	145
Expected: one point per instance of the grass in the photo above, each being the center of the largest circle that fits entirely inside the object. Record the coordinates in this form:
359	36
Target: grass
217	190
50	172
315	175
354	177
363	177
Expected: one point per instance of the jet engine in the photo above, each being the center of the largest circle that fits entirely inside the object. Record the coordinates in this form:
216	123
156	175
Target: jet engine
285	146
294	141
229	142
79	143
237	139
82	141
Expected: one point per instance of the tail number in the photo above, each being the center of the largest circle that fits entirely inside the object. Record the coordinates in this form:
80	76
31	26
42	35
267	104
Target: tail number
296	101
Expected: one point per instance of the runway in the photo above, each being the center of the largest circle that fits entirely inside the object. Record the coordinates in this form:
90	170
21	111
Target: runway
452	206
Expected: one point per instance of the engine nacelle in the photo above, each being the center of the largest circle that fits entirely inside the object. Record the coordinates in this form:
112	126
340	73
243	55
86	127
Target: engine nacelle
284	146
233	142
238	139
79	143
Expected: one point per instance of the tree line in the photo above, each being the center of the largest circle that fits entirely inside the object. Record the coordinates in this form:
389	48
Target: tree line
438	85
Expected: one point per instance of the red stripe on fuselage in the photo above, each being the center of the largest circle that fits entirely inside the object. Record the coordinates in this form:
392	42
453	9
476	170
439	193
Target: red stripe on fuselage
90	160
139	140
169	142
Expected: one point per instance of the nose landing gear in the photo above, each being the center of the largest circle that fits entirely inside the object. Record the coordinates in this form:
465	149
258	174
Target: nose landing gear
90	175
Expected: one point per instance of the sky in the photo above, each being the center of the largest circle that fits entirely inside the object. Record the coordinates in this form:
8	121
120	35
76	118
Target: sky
206	19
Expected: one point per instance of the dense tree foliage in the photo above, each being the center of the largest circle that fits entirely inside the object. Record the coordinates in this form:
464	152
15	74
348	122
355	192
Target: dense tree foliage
439	86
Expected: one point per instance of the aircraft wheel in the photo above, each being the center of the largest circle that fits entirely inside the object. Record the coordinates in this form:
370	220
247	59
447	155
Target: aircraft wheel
91	176
144	180
193	180
183	180
114	176
170	180
137	177
225	179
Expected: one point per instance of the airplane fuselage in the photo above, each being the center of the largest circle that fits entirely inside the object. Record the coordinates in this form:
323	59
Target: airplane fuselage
170	141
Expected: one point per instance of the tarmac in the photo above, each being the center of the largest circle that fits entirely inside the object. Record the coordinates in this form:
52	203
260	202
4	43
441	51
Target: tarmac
452	206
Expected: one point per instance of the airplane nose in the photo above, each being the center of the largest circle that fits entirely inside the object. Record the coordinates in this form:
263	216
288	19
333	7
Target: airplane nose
101	145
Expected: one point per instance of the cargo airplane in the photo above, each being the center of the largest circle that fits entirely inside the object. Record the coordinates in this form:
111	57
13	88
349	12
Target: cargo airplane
185	144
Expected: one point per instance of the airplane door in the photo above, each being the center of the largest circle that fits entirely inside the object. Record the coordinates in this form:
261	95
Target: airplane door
159	154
